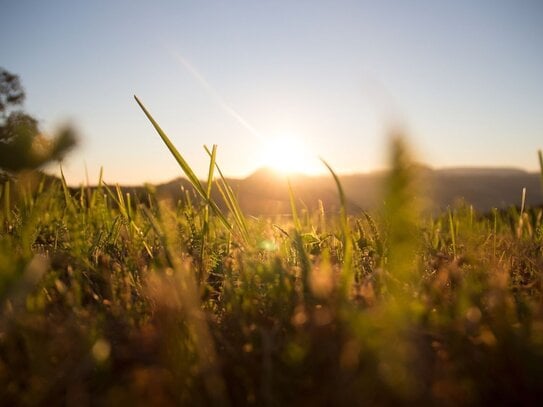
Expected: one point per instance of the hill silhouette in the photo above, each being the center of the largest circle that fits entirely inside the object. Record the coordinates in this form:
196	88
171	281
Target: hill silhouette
266	193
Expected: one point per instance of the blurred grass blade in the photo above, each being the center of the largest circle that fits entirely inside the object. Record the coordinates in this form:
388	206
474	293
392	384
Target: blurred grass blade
6	197
540	154
452	231
523	201
304	263
401	217
303	258
186	294
294	209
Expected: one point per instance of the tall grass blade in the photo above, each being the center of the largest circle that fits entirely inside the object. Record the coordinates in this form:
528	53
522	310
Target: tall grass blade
303	258
347	275
452	231
67	196
540	155
205	227
184	166
294	209
232	202
523	201
494	233
304	263
211	170
7	200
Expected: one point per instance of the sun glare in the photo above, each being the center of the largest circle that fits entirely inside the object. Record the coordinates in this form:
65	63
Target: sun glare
287	154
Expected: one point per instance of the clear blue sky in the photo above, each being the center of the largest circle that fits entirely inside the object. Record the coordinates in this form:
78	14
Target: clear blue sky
464	77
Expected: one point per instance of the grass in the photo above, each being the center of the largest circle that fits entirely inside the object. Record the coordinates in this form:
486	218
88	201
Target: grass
110	300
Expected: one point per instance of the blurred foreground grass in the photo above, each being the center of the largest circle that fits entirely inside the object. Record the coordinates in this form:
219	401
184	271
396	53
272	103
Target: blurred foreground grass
109	299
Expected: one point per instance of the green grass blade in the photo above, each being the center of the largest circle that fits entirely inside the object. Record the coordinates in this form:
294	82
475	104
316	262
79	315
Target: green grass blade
67	196
347	275
180	160
114	198
453	232
232	202
205	227
184	166
304	263
294	209
7	200
211	170
401	218
209	185
342	200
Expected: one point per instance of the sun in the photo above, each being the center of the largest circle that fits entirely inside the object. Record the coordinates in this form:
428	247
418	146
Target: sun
287	154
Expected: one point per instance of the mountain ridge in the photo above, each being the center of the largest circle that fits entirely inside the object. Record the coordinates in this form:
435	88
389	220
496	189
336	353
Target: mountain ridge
265	192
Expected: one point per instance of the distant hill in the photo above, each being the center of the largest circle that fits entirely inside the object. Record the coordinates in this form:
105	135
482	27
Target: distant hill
486	188
266	193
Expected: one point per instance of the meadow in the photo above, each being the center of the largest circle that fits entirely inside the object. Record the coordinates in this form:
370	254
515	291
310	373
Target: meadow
109	298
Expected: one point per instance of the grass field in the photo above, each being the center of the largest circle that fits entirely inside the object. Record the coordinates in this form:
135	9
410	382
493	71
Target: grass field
109	299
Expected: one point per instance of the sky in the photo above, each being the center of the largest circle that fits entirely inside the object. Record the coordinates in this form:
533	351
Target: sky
270	82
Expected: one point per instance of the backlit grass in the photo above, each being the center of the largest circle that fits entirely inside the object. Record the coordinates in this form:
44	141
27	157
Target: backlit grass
110	298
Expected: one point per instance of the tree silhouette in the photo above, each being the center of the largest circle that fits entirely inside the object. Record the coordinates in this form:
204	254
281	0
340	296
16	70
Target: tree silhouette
22	145
11	91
